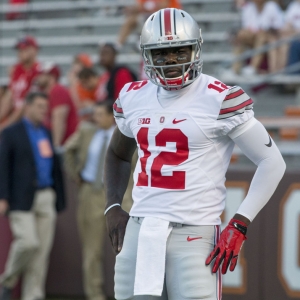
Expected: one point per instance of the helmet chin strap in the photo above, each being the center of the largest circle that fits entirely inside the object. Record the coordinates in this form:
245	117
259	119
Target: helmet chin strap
175	83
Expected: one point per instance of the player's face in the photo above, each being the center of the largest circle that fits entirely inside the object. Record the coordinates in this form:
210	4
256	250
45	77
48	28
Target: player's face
37	110
76	67
42	80
89	83
172	57
27	54
102	118
107	57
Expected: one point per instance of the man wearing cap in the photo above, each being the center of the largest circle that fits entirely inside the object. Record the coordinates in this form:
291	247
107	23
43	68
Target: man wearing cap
21	78
62	117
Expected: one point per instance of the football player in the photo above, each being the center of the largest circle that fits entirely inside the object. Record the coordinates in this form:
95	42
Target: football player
185	125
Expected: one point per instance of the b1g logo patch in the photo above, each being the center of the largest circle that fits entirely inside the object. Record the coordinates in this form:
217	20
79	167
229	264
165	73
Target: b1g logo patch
144	121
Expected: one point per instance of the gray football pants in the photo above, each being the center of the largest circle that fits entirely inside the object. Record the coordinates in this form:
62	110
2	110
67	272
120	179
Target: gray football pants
187	276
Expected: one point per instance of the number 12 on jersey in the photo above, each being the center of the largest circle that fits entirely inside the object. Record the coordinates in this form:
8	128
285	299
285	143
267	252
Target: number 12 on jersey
177	180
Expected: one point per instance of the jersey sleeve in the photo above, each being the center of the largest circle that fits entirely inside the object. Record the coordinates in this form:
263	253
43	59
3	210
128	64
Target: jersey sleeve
236	109
274	16
246	16
289	14
121	119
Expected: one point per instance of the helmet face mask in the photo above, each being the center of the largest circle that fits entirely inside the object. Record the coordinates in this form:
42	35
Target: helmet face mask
180	30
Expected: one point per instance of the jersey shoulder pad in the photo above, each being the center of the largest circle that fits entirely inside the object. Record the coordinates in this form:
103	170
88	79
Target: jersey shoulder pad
133	86
125	96
236	102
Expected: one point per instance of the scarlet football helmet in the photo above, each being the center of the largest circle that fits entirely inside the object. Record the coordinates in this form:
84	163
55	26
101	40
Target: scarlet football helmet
171	27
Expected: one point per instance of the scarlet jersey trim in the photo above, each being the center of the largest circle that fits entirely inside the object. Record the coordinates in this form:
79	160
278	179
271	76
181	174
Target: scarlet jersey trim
235	103
235	108
219	275
118	110
234	95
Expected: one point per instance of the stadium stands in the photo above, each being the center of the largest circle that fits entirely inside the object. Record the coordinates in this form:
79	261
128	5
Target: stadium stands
64	28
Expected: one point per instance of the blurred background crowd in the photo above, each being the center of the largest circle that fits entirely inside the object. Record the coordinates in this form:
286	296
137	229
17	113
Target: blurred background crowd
63	64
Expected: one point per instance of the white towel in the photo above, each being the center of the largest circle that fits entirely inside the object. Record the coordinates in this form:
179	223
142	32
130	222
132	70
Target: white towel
151	256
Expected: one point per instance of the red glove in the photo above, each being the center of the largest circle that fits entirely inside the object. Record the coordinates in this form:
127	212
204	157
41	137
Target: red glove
229	246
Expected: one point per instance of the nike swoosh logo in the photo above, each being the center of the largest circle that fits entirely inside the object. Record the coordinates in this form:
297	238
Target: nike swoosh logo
270	142
178	121
192	239
230	235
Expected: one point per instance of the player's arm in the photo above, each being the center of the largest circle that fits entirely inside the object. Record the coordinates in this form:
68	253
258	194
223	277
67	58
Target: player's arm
6	104
258	146
116	176
7	116
254	141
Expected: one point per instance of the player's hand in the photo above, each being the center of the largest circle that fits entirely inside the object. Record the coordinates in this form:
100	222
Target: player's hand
116	221
229	246
4	207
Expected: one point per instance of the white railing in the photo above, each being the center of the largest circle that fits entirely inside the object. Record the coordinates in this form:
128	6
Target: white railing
51	41
122	58
103	21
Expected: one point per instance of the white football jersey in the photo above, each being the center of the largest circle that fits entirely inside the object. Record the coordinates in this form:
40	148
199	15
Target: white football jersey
184	149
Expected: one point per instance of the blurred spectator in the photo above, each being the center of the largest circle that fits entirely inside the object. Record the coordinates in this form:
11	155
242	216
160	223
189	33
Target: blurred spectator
89	80
15	14
292	18
110	83
30	180
115	76
84	162
261	21
285	55
21	78
294	55
82	97
3	89
146	8
239	4
62	117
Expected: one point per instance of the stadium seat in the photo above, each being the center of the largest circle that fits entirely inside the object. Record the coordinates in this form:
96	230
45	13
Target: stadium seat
292	111
290	134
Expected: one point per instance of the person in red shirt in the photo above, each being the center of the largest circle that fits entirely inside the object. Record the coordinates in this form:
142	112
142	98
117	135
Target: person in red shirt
15	14
110	83
21	78
62	117
115	76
